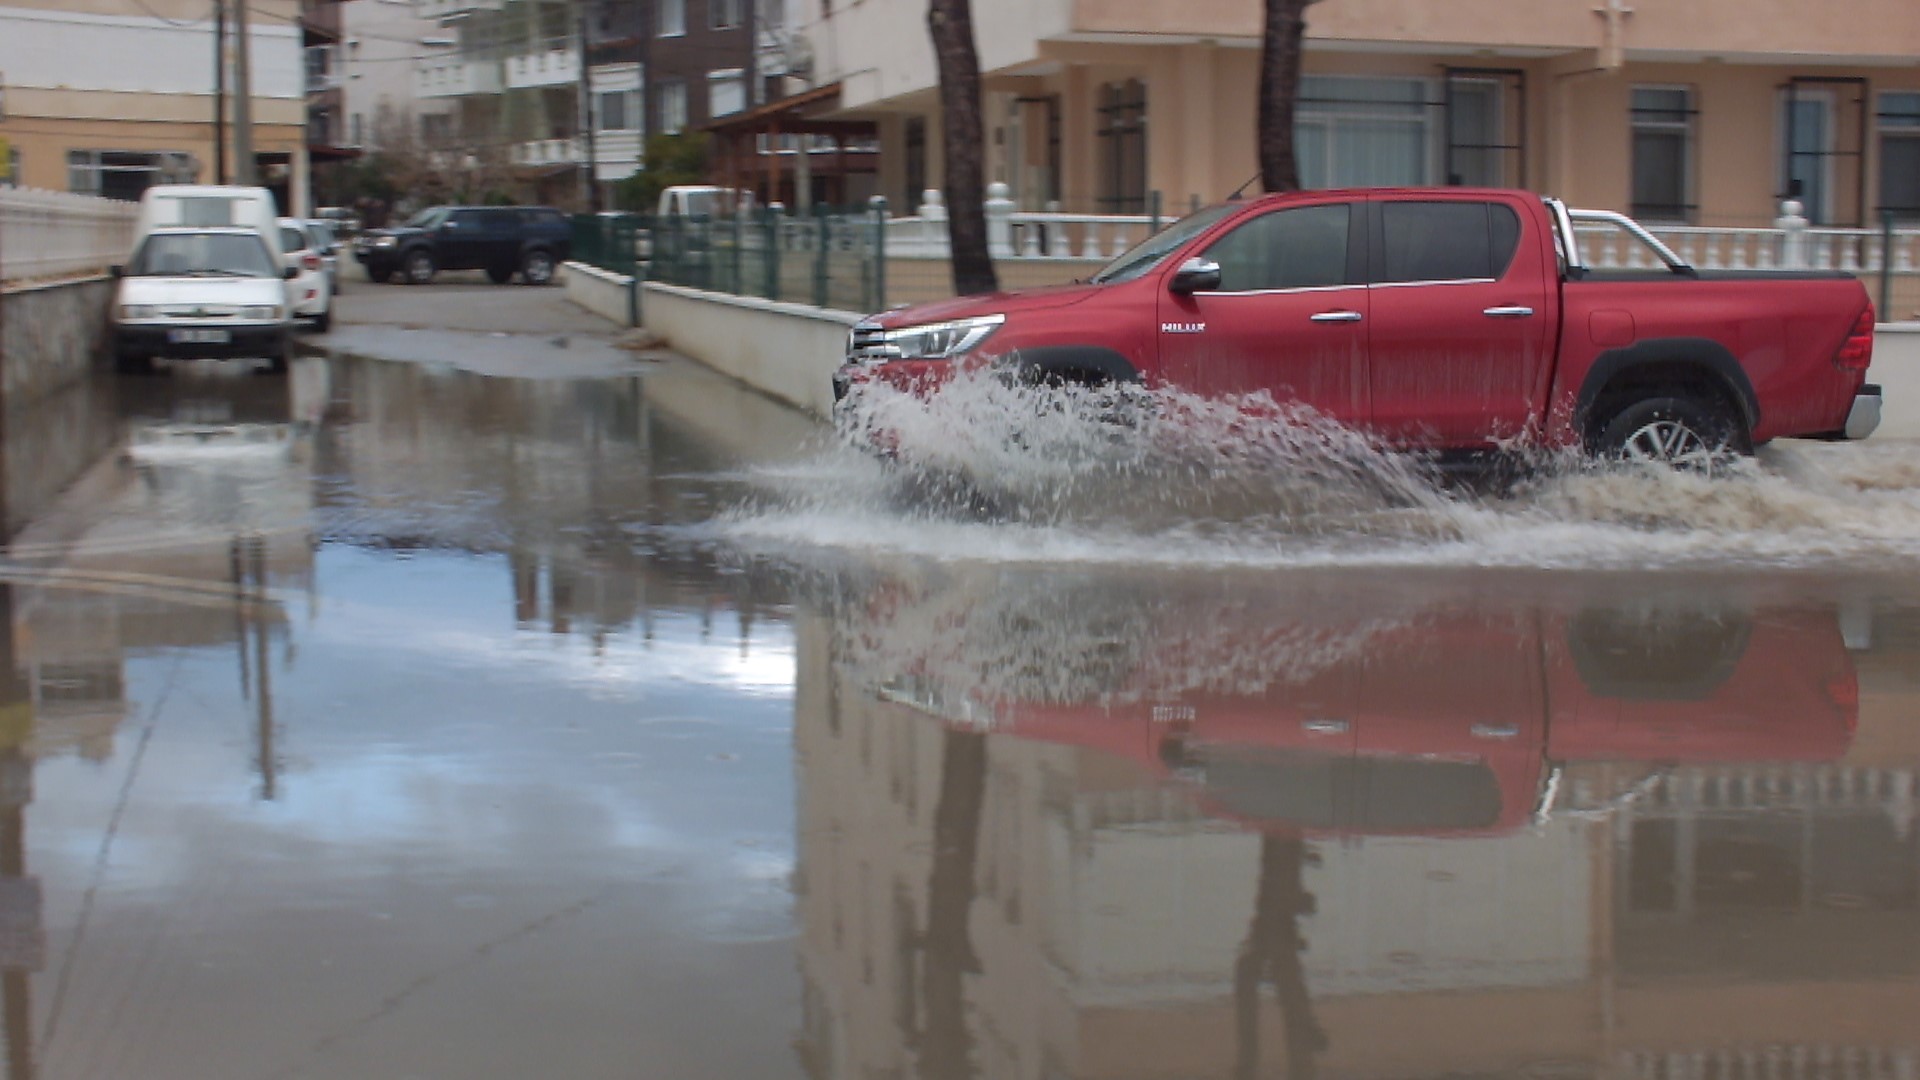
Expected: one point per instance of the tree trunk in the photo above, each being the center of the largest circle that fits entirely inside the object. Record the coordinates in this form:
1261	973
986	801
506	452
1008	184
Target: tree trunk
1286	25
950	22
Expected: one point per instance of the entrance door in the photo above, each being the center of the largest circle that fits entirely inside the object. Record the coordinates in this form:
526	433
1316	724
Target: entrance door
1823	126
1289	317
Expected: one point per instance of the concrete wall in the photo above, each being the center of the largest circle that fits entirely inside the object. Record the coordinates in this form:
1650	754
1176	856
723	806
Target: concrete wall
788	351
50	335
1896	367
602	292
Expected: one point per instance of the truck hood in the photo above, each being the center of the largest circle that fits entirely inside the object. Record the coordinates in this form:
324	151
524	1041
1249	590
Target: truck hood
212	292
999	303
396	232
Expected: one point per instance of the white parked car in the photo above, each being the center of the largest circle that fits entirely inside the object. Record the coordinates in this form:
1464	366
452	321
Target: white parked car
328	238
198	292
310	288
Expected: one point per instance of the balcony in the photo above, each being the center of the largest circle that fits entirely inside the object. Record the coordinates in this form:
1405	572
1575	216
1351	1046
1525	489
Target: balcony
559	65
548	152
453	77
440	9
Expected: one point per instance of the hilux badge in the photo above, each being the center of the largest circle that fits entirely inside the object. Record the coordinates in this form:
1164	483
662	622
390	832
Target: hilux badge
1183	328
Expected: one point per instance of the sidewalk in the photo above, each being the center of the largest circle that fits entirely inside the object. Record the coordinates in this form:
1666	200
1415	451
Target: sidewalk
464	321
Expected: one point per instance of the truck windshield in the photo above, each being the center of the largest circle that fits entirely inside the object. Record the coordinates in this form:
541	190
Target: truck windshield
428	218
1147	254
232	254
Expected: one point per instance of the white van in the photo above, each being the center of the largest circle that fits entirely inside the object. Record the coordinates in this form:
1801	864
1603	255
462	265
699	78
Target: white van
190	293
210	206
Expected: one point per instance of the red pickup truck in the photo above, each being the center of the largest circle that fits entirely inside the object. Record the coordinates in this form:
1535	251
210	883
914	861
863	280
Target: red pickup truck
1457	722
1442	319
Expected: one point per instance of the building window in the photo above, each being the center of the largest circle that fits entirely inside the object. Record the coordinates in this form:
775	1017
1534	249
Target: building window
10	174
725	14
673	18
1123	147
436	129
359	129
673	106
319	67
124	174
726	92
619	110
1899	123
1663	153
1363	132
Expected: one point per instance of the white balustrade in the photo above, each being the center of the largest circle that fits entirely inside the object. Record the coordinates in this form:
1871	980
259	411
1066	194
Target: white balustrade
51	234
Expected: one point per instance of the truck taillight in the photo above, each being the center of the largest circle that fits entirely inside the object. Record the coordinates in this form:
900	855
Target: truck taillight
1857	351
312	262
1844	690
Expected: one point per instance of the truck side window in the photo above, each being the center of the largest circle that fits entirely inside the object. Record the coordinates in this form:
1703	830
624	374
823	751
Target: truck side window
1447	241
1287	249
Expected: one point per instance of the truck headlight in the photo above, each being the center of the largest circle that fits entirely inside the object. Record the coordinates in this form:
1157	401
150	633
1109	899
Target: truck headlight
262	312
383	242
940	341
132	312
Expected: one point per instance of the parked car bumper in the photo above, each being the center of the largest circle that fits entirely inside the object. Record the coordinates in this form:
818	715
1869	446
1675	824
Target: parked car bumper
198	341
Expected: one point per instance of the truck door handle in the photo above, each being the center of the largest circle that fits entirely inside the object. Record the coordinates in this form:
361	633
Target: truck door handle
1508	312
1336	316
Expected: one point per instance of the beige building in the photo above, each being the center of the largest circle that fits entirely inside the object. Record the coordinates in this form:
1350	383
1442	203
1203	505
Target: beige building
1706	112
105	97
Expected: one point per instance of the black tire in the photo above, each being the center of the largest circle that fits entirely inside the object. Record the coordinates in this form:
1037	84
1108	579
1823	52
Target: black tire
323	322
382	276
134	365
499	275
536	267
418	266
277	363
1682	432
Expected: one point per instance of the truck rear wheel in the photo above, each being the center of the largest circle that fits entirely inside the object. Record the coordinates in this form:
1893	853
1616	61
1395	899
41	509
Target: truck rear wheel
1682	432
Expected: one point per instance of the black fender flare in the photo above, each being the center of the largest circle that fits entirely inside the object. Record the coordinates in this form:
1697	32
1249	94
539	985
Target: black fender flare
1704	354
1038	365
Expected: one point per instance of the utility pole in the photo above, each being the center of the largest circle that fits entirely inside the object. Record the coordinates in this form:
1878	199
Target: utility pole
219	91
589	179
242	98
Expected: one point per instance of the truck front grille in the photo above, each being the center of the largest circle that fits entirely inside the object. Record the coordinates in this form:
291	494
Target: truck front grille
866	344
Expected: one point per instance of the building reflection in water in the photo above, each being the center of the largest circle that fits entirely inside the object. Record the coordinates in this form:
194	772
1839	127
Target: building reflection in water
1107	829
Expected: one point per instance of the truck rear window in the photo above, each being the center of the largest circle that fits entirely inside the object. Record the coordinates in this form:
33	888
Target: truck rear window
1447	241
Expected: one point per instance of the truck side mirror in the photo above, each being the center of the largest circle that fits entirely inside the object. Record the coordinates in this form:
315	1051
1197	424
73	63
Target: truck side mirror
1196	275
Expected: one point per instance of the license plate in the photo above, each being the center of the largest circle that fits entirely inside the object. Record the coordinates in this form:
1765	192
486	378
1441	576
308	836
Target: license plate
199	337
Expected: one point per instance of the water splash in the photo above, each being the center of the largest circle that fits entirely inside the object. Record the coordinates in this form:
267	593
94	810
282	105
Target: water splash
992	471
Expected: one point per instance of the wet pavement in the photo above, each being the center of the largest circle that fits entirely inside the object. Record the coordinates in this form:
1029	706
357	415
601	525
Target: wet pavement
487	711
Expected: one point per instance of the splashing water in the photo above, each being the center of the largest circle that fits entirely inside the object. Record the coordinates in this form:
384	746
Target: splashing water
987	470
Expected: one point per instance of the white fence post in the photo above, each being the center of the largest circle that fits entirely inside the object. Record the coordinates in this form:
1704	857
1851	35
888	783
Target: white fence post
1793	236
999	221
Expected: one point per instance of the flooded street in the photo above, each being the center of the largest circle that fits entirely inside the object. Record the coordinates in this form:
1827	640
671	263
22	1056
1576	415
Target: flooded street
515	707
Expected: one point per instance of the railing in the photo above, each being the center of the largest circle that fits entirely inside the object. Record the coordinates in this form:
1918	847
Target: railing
50	234
557	65
1782	787
1033	247
548	152
1775	1061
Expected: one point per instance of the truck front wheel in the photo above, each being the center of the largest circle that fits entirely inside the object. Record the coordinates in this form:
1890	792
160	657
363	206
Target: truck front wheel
1682	432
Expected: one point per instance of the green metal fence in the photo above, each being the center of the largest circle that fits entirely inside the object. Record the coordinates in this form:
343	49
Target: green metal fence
829	257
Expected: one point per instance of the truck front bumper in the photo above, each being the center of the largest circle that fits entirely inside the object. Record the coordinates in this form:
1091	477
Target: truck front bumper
1864	417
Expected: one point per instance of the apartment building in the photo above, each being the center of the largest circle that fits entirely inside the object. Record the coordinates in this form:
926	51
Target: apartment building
1707	112
381	43
106	97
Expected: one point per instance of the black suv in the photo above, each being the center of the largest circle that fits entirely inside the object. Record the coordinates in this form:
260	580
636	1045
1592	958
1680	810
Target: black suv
498	239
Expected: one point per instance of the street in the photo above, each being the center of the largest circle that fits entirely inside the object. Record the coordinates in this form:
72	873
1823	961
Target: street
487	698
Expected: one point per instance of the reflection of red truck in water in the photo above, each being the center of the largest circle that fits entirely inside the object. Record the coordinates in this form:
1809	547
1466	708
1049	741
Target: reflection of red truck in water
1457	723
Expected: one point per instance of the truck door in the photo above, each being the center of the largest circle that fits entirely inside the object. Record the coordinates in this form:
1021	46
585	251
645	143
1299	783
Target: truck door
1289	316
1462	321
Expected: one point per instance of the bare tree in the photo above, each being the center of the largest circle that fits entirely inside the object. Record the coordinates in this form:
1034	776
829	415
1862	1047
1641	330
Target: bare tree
950	22
1280	41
